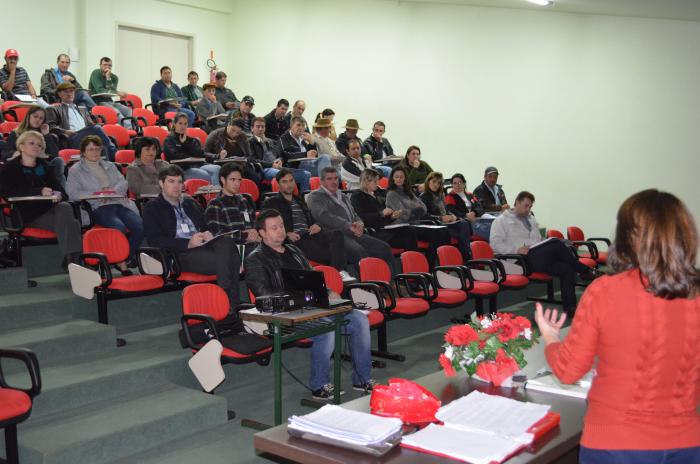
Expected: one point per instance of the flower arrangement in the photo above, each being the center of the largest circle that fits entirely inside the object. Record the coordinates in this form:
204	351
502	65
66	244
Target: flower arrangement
492	348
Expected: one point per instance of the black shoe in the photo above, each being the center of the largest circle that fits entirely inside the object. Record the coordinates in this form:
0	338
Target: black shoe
366	387
325	393
590	275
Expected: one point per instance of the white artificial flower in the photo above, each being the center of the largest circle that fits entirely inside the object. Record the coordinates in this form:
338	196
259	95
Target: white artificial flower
449	352
485	322
527	333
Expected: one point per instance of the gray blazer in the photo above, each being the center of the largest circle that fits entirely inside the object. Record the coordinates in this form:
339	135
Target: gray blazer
329	214
82	182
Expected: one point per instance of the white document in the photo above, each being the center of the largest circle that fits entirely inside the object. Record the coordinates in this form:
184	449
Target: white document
25	98
550	384
394	226
550	239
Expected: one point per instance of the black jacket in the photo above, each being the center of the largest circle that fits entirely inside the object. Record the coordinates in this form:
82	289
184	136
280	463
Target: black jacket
291	149
487	199
15	181
159	222
281	204
460	209
435	204
369	208
341	143
275	128
263	268
51	141
378	150
174	149
264	152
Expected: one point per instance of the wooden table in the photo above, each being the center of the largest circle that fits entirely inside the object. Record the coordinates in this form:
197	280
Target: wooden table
291	326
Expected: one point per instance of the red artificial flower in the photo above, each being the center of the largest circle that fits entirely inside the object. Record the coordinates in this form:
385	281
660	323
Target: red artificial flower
522	323
499	370
447	366
461	335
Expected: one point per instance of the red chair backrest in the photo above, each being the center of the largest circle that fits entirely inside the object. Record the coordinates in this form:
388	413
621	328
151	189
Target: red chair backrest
374	269
574	233
125	156
315	183
111	242
481	250
67	153
109	114
383	183
192	185
412	261
449	200
332	277
553	233
8	126
118	133
197	133
19	113
134	101
156	132
276	187
449	255
251	188
209	299
148	115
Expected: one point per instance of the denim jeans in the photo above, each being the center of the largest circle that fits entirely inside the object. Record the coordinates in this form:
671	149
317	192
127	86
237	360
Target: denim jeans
190	114
482	228
121	218
384	169
82	98
315	166
208	172
322	349
671	456
301	177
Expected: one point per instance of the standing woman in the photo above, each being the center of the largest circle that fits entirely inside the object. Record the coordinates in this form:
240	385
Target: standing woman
416	169
93	174
178	145
434	199
643	326
468	207
29	175
401	199
35	120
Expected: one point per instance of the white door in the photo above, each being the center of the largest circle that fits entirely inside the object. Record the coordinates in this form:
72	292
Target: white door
140	55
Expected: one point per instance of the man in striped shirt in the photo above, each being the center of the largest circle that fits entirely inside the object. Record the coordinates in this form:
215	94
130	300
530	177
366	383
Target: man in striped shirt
15	79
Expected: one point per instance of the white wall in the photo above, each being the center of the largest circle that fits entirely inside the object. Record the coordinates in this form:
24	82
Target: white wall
581	110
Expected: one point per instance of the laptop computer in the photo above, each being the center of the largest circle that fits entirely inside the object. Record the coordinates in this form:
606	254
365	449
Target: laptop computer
302	280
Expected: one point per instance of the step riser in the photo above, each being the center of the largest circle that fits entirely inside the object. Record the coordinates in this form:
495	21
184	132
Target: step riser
13	279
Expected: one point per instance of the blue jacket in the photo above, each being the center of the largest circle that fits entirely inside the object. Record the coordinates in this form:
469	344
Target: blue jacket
158	94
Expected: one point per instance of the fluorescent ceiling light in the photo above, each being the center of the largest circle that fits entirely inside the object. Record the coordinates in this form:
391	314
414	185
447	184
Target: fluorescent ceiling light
541	2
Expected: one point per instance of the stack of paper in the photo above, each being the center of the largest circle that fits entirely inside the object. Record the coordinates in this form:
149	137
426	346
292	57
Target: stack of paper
344	425
479	429
550	384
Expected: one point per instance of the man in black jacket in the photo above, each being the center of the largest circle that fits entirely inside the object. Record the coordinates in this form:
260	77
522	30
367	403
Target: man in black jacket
318	244
263	268
298	144
490	193
276	122
267	152
175	222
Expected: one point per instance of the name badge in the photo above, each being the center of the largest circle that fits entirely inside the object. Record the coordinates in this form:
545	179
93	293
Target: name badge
246	216
185	228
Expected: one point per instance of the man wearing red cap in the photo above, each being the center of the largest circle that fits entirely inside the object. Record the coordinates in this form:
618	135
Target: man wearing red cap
15	79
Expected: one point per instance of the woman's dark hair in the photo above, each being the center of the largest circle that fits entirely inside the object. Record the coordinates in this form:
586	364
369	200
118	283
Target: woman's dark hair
325	113
176	118
657	234
145	142
405	188
24	125
426	184
95	140
458	176
411	148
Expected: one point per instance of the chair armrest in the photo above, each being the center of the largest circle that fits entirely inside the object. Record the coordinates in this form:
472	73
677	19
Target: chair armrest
383	286
30	360
156	253
132	120
592	248
518	258
462	272
102	266
371	287
83	205
496	267
12	222
199	318
599	239
423	279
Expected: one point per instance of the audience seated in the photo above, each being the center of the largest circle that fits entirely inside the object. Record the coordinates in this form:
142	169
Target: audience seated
208	106
416	168
167	96
175	222
467	206
434	199
296	143
35	120
29	175
231	141
245	113
319	244
178	145
333	210
192	92
297	111
490	193
324	143
230	212
401	199
60	74
102	80
353	165
224	95
91	175
517	231
267	152
378	147
14	79
263	278
142	174
351	127
330	115
276	122
74	122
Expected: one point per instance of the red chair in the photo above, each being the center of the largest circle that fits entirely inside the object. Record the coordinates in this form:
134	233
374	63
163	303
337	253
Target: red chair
16	402
144	117
315	183
132	101
103	248
575	234
156	132
251	188
69	155
118	133
7	127
125	157
413	262
20	236
590	262
107	115
14	114
449	255
483	255
197	133
167	119
192	185
383	183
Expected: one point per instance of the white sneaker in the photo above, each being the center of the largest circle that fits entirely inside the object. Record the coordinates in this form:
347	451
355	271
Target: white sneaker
345	276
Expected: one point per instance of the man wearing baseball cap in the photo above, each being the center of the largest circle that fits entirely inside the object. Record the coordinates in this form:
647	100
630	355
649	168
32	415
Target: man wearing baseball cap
15	80
490	193
245	113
